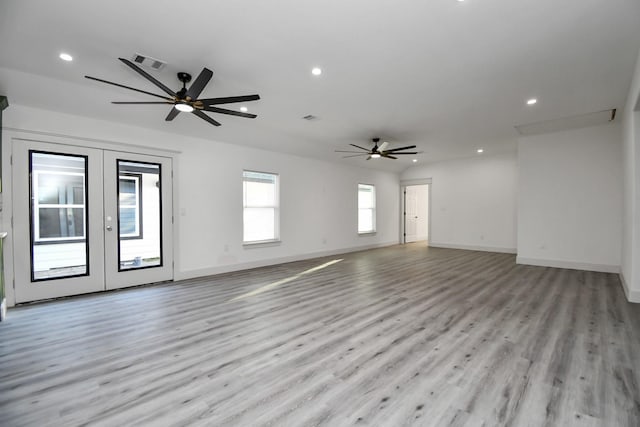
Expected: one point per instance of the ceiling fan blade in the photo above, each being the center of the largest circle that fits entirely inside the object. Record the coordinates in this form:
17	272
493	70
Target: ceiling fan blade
369	158
201	81
147	76
203	116
346	151
152	102
383	146
355	155
128	87
404	152
408	147
229	112
229	99
388	156
357	146
172	114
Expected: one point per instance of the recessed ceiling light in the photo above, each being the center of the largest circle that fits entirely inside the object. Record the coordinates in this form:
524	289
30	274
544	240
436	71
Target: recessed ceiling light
316	71
244	109
532	101
375	156
414	160
480	150
185	108
66	57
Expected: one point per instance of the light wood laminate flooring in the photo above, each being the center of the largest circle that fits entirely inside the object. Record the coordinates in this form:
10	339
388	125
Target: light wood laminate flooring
399	336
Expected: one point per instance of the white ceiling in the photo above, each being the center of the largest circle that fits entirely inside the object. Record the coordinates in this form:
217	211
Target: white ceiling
445	75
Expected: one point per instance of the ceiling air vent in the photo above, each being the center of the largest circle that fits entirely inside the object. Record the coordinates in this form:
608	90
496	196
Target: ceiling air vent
310	117
568	123
148	61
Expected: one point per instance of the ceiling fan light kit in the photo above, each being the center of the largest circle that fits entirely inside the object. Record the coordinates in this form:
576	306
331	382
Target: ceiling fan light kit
184	108
378	151
186	99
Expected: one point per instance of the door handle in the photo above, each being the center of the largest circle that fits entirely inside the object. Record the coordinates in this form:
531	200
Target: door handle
109	228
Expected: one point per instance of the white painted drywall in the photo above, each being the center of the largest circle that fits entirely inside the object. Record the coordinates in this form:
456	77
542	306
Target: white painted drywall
318	199
630	268
473	201
570	198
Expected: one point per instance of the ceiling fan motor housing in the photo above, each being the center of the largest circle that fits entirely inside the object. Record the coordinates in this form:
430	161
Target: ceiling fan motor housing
184	77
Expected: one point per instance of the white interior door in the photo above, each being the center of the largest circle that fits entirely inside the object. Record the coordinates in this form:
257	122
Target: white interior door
78	215
416	212
411	214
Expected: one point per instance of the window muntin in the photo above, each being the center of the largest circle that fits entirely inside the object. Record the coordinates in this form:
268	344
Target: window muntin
366	208
260	207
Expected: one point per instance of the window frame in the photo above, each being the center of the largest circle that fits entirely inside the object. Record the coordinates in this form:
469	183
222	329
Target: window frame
372	209
36	206
275	207
137	178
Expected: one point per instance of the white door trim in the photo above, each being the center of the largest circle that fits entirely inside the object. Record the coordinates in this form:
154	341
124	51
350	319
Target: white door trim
403	188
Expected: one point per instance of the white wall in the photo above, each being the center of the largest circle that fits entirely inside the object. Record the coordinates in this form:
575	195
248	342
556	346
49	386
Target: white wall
473	201
318	199
630	269
570	199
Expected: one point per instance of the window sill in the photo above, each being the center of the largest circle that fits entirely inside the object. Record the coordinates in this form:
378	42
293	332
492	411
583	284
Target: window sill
367	233
261	244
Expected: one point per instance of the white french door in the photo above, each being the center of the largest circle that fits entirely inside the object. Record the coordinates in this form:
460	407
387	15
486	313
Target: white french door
87	220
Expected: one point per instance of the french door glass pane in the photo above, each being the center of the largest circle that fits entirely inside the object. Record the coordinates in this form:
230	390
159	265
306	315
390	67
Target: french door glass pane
139	215
58	189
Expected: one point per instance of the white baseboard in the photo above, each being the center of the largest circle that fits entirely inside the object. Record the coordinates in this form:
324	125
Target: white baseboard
572	265
192	274
632	296
473	248
3	309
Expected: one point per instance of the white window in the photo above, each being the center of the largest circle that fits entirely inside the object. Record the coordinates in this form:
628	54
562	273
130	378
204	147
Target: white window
366	208
58	203
261	213
130	197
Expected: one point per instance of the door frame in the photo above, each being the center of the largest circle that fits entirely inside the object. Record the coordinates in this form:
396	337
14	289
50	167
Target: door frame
11	135
403	188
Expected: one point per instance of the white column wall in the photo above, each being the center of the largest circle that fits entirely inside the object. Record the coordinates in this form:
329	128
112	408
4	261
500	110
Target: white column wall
630	268
570	199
